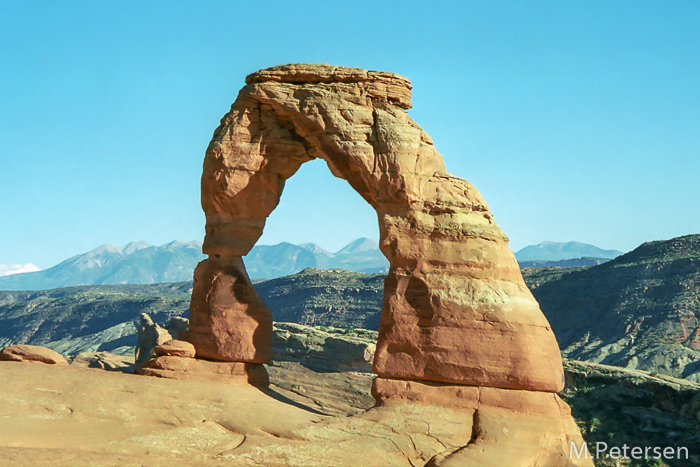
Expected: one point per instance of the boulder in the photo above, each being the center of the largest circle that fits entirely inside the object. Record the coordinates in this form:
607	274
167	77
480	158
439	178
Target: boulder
31	353
178	327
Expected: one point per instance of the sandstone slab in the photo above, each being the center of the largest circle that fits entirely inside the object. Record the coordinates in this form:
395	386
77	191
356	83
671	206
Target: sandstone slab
175	348
192	369
337	393
31	353
508	426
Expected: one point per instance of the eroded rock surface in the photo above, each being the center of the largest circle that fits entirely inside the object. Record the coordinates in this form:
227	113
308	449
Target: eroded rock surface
104	360
71	416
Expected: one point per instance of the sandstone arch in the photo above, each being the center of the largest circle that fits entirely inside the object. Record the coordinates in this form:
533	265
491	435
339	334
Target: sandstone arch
456	309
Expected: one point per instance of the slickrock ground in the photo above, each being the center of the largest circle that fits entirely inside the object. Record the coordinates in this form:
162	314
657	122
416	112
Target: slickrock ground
312	414
81	416
75	416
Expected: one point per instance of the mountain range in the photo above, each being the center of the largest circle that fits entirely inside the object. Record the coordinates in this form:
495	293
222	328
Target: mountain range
283	259
10	269
143	263
134	263
558	251
563	263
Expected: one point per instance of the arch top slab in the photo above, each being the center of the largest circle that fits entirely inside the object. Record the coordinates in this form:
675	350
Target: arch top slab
395	89
456	309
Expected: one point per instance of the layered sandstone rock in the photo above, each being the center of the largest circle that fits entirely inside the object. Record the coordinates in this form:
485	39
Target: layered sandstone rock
31	353
228	320
456	309
507	426
196	369
175	348
459	328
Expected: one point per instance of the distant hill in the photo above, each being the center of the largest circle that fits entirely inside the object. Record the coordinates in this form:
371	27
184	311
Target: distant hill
331	297
91	318
640	310
557	251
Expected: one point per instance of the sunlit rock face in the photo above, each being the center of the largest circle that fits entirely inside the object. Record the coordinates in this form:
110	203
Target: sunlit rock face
456	309
459	328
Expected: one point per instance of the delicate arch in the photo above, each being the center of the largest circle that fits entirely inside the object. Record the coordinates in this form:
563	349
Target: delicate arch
456	309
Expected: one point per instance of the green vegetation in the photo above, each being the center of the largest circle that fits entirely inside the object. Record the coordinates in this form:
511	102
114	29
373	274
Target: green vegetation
631	407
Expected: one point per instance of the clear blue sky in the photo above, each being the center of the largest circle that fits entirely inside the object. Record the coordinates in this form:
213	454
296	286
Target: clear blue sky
576	120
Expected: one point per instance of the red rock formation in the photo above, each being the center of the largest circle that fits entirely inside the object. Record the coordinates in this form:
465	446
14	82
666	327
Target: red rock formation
456	309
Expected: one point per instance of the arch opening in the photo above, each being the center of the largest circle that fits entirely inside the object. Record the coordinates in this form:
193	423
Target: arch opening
318	215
